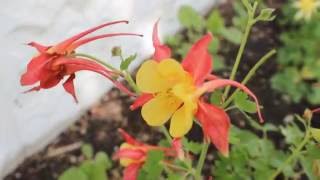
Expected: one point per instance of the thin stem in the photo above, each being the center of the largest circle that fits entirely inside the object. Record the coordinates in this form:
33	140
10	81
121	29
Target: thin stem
131	82
295	153
230	108
174	166
96	59
250	74
202	158
240	53
166	133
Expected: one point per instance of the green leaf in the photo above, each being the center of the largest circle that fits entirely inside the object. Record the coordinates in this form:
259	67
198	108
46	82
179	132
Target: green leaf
98	172
308	160
214	46
189	18
292	133
218	63
243	103
152	166
192	146
215	22
87	151
315	133
232	34
174	176
125	63
86	167
216	97
73	174
266	15
270	127
103	159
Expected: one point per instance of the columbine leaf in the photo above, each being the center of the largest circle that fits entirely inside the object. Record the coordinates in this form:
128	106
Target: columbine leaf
243	103
218	63
87	151
103	159
152	167
216	97
292	133
125	63
189	18
215	22
232	34
192	146
73	174
266	15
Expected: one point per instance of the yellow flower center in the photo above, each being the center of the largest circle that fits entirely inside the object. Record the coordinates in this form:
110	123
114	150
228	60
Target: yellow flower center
306	8
175	95
127	161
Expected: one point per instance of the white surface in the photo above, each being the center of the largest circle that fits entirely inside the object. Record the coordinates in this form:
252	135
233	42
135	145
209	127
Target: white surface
29	121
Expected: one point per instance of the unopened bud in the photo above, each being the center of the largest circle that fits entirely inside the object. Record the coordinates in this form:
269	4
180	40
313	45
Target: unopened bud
307	115
116	51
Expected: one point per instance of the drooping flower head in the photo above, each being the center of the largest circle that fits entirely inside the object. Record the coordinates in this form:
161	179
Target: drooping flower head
132	154
53	63
174	91
306	8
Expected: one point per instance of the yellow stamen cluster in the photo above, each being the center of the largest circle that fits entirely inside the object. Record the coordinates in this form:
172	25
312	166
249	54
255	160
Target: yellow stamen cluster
306	8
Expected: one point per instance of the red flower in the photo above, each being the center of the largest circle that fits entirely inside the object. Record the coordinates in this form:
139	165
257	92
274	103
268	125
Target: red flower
55	62
179	95
132	154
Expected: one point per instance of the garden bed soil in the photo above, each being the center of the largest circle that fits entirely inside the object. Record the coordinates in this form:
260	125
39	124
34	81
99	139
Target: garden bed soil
98	126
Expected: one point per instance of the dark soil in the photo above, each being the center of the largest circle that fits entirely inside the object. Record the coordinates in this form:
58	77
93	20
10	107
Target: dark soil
98	126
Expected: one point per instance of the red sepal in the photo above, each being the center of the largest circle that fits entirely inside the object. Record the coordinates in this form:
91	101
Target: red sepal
198	61
215	124
160	51
131	172
141	100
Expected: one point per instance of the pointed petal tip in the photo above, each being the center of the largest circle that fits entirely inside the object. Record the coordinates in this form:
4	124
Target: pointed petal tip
225	154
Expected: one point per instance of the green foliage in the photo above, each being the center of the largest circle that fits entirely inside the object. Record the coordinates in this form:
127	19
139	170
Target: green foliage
189	18
243	103
216	97
126	62
91	168
250	156
299	59
152	167
196	26
253	157
191	146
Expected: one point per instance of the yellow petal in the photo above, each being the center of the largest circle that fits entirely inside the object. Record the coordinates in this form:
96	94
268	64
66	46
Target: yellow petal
181	121
159	109
171	70
149	79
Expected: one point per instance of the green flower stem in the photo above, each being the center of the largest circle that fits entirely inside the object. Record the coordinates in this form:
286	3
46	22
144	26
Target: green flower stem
250	75
295	153
131	82
202	158
175	167
98	61
244	40
166	133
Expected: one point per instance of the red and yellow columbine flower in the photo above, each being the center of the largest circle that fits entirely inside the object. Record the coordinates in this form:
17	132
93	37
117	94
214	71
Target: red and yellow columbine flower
132	154
55	62
174	91
306	8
